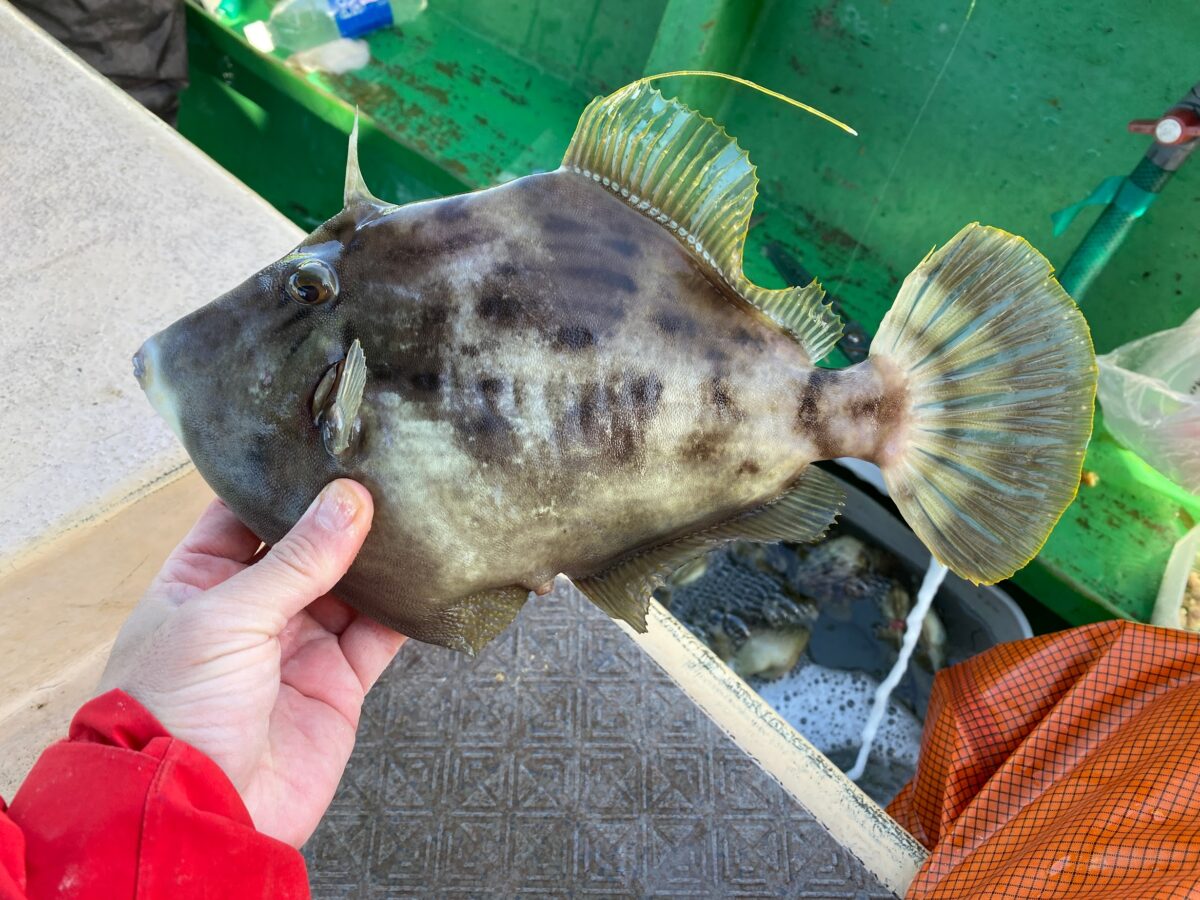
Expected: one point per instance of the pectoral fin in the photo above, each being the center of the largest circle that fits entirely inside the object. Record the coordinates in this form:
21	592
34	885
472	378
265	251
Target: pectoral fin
338	416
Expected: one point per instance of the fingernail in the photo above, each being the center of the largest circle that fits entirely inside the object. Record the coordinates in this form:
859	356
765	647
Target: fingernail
337	507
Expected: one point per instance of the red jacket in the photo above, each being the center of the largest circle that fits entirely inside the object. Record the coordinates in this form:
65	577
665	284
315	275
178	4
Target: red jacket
122	809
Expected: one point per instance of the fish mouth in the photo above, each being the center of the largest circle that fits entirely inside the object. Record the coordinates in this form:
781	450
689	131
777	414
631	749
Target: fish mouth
148	372
139	366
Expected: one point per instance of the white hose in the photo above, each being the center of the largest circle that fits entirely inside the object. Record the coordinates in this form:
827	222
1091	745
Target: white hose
934	576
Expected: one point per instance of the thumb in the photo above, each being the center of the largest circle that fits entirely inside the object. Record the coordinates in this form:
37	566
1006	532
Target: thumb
310	559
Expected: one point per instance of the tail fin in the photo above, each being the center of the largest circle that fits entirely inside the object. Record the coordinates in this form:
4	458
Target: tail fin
1001	381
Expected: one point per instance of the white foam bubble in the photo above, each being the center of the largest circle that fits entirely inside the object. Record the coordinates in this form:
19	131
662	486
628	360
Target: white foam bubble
830	707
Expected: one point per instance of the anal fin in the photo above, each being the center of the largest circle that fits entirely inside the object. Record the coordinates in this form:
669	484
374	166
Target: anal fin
802	514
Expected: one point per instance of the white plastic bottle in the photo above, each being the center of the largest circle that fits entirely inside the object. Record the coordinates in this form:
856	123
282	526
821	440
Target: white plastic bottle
297	25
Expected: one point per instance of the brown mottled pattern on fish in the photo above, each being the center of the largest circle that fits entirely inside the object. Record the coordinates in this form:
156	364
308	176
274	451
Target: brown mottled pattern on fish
568	388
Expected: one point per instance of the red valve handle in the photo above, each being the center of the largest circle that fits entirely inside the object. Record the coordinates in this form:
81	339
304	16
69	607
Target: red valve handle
1177	126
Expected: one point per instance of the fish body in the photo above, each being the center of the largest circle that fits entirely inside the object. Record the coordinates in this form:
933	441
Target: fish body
555	375
547	382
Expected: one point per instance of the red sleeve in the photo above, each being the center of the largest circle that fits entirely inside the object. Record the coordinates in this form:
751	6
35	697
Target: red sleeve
122	809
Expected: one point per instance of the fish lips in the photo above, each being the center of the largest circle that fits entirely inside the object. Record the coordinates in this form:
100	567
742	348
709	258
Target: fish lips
147	369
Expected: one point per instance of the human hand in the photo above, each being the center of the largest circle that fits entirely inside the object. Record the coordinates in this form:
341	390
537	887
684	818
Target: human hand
249	659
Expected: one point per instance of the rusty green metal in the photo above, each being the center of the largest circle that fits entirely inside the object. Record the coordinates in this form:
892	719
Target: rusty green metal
1003	118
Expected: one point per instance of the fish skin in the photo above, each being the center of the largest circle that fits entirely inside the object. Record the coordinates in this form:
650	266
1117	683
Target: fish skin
553	383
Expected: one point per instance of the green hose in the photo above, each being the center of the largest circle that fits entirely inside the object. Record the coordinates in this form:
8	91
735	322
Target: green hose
1109	230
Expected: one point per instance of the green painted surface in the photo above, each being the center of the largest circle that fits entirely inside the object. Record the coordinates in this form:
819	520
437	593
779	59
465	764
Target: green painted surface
704	35
1027	116
593	45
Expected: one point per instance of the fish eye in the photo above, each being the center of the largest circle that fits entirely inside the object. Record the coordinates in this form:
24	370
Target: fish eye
312	283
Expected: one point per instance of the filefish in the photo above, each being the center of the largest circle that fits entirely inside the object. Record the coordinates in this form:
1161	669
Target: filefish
570	373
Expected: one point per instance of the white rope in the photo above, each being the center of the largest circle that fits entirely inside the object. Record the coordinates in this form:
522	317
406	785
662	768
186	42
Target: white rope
934	576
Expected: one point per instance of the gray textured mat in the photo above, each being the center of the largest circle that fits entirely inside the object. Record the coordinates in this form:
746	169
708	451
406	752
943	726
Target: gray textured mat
562	762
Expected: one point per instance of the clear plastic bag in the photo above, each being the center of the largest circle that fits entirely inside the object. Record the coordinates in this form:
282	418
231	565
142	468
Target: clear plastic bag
1178	603
1150	393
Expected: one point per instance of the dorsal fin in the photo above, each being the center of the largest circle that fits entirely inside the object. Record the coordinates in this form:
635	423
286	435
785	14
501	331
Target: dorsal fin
685	172
356	190
802	514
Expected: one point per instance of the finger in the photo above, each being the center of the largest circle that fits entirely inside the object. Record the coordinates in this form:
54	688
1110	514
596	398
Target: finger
331	613
219	533
309	560
217	548
209	554
369	647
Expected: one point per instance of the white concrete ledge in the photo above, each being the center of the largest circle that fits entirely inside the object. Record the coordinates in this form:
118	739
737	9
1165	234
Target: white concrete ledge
114	227
856	821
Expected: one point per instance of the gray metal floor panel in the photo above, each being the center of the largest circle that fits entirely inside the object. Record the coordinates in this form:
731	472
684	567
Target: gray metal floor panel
561	762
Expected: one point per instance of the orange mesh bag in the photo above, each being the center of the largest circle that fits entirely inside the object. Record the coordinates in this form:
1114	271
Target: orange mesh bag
1063	766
